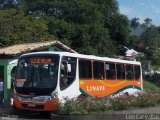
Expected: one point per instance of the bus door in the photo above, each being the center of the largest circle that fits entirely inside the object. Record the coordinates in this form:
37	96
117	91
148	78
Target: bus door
69	86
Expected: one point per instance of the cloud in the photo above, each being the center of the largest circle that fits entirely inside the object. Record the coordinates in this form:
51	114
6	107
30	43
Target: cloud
141	9
157	11
126	10
155	8
141	4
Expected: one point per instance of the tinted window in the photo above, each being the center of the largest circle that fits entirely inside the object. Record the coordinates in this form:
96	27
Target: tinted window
129	72
110	70
37	74
68	72
120	71
85	69
137	72
98	70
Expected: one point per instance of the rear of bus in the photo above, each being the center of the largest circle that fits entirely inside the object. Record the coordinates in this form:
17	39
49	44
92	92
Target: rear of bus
36	82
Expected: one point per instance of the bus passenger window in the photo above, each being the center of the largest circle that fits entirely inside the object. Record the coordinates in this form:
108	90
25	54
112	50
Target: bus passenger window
68	72
137	72
85	69
120	71
110	71
98	68
129	72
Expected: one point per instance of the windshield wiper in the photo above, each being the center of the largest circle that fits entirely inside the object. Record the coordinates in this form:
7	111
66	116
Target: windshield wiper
29	78
40	80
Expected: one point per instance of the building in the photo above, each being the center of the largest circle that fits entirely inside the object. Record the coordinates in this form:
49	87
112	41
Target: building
9	56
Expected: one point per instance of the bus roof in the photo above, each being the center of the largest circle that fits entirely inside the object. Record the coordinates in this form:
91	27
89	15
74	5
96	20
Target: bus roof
82	56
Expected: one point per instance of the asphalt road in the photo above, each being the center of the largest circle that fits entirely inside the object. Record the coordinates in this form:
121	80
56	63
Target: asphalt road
152	113
11	114
34	116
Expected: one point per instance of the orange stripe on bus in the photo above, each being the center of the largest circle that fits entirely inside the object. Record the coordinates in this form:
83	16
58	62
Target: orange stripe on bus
20	80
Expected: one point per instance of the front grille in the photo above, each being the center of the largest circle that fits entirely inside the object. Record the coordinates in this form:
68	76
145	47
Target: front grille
34	99
33	107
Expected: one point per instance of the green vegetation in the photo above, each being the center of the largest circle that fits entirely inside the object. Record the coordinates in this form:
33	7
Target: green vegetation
84	25
152	81
148	42
88	26
95	105
149	85
15	27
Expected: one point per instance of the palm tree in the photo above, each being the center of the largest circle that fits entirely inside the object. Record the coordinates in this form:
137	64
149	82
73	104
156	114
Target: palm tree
134	23
148	22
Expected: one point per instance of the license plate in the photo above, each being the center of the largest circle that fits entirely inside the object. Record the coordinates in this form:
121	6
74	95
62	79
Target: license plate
31	105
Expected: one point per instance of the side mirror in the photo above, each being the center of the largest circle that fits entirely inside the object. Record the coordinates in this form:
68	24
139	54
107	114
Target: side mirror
13	73
65	69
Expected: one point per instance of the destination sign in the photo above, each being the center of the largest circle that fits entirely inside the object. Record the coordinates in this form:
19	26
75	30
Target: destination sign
40	60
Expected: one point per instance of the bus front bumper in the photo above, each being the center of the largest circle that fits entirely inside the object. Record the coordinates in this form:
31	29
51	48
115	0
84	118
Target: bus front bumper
51	105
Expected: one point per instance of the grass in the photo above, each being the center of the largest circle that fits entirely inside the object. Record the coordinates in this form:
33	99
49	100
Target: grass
149	85
152	81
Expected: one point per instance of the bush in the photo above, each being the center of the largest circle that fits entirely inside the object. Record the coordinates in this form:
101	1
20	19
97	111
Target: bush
84	106
90	105
121	102
147	99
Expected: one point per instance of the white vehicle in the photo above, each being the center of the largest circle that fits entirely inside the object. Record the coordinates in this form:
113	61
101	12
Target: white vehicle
45	78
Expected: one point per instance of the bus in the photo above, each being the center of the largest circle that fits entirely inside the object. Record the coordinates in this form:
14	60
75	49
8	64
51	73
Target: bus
43	79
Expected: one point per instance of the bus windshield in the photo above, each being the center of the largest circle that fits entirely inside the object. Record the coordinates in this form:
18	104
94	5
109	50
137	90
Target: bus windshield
37	75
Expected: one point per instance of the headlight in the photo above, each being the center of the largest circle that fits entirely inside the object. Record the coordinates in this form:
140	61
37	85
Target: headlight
17	97
55	95
48	98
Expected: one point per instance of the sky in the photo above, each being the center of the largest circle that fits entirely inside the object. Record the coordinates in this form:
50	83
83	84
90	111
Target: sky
141	9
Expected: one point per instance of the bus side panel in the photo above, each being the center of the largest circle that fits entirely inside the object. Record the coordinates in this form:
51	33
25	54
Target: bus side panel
101	88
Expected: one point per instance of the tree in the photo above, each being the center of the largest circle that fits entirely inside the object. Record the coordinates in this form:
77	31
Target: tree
119	29
4	4
88	26
157	58
150	40
15	27
134	23
82	24
148	22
